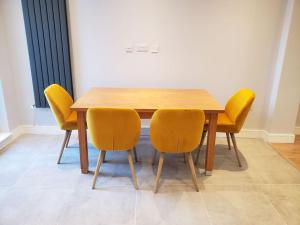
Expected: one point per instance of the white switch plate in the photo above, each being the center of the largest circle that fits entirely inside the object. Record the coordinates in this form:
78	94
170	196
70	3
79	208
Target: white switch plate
129	49
142	48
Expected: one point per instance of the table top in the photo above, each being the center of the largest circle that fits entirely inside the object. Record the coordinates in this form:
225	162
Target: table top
147	99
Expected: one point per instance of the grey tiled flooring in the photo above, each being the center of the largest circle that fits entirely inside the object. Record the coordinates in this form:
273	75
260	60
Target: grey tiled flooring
34	190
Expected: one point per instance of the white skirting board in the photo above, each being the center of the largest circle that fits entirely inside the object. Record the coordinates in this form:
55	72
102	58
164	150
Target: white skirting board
245	133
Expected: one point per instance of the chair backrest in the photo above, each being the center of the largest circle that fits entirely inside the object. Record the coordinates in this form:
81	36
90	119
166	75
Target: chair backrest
60	102
113	129
238	106
176	130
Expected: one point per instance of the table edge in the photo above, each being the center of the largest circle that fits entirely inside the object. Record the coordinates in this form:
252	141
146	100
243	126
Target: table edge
151	110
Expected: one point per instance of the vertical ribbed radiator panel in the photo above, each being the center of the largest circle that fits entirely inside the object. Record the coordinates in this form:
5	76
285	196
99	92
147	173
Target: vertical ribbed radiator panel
48	45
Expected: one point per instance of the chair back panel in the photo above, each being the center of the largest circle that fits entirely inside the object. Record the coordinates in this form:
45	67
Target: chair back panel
238	106
113	129
176	130
60	102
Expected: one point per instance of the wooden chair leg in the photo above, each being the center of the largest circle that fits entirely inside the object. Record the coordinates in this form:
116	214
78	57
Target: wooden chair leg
63	146
199	148
69	136
104	156
235	149
99	162
192	168
228	141
135	154
154	157
159	169
130	160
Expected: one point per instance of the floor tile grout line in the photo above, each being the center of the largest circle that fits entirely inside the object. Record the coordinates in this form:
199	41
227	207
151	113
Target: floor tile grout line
135	207
206	209
271	203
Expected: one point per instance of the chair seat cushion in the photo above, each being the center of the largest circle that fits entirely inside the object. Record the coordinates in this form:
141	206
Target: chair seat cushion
224	124
71	122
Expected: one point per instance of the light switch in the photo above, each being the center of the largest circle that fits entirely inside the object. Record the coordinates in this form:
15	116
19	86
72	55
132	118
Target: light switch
142	48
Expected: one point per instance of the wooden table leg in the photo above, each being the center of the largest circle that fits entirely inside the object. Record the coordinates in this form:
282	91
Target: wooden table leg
211	141
84	160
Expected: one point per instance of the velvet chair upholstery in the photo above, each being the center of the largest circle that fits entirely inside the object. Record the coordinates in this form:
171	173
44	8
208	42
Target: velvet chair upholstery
176	131
114	129
232	120
60	102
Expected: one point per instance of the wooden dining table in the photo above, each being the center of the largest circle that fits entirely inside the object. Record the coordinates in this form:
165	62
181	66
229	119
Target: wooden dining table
146	101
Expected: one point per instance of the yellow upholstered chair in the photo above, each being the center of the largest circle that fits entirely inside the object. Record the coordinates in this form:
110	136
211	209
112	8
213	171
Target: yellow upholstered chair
176	131
114	130
60	102
232	120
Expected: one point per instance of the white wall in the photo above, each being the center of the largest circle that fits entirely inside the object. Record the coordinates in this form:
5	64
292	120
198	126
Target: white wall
298	118
17	55
285	113
218	45
4	125
9	112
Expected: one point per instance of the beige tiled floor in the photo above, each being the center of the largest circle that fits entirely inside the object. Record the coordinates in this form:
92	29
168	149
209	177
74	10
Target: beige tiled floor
34	190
